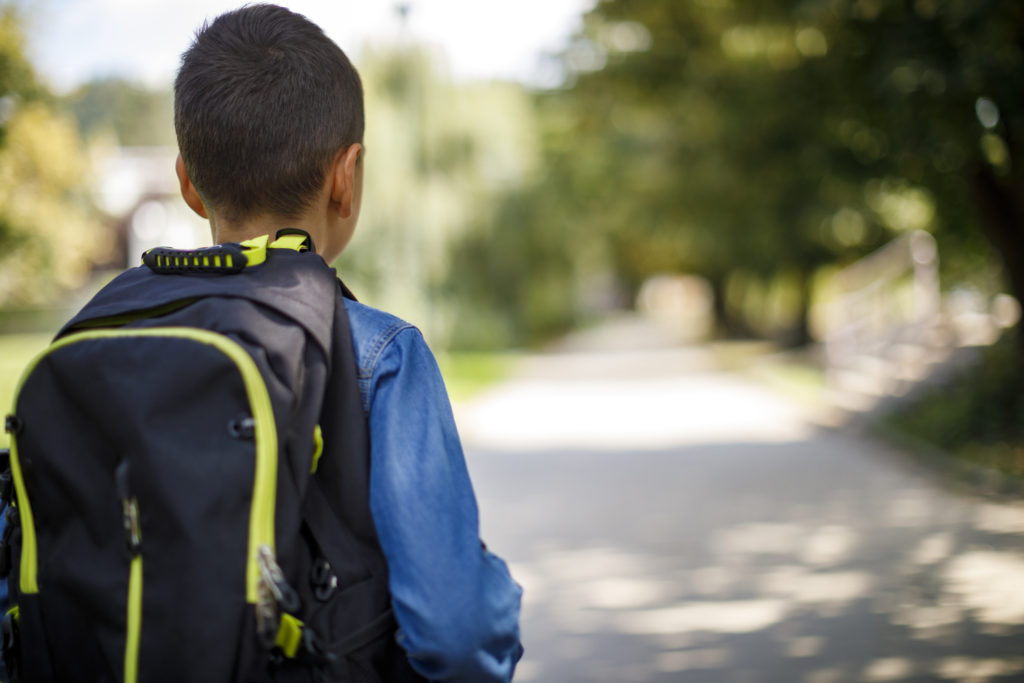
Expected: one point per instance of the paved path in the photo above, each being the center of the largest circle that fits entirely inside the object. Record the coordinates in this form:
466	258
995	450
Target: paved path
673	523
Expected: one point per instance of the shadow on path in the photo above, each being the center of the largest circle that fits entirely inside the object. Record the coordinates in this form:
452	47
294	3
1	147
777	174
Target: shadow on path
823	558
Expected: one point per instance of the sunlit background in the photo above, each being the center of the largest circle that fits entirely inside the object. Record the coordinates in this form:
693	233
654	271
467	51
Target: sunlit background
725	292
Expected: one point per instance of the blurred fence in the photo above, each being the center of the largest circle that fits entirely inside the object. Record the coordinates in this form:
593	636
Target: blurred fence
887	325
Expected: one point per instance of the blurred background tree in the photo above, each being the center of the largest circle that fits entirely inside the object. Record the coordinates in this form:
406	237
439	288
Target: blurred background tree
48	230
758	143
129	113
437	152
940	86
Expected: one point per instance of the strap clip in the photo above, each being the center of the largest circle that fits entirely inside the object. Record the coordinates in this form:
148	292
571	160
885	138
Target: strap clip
323	580
289	635
13	425
296	640
293	238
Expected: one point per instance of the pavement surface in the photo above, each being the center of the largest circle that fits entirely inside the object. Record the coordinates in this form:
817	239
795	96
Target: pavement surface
671	522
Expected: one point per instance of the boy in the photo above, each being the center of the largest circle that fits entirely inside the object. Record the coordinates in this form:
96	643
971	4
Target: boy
269	120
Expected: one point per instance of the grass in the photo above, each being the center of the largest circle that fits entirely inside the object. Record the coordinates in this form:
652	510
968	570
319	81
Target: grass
799	380
736	355
466	374
789	372
16	350
978	416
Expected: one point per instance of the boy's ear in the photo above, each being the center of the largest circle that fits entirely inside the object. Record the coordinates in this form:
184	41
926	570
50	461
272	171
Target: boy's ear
343	179
188	190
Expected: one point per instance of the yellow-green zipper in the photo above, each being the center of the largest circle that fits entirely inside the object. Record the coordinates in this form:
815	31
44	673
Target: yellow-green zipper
125	318
131	645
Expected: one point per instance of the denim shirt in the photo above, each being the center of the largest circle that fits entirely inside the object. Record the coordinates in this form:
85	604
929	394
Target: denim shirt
456	604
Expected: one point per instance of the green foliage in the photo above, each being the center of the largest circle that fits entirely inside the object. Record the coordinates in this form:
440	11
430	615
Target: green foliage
767	139
978	415
467	374
17	78
436	155
133	114
710	142
50	234
48	229
514	275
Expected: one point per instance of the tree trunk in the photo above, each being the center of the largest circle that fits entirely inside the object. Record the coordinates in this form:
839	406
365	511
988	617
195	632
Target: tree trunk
1002	222
718	307
727	325
800	334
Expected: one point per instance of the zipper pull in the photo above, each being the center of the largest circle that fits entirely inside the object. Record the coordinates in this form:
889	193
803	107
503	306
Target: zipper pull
129	508
273	578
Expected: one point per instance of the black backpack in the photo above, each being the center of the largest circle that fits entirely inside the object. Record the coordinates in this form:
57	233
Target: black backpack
190	471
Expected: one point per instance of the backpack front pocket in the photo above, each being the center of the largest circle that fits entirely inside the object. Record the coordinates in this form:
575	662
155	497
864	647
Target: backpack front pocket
154	444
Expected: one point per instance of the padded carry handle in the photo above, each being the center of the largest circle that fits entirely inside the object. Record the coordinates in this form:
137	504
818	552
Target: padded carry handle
220	258
230	257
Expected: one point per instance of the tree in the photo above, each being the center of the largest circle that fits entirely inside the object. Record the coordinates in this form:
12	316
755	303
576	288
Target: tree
943	84
48	230
135	115
780	136
437	152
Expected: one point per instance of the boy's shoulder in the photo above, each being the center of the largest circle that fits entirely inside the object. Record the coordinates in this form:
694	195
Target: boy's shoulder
373	332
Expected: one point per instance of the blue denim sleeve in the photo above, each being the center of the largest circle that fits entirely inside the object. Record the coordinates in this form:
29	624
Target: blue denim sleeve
456	604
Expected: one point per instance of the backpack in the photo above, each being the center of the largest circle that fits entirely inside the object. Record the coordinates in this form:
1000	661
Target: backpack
188	482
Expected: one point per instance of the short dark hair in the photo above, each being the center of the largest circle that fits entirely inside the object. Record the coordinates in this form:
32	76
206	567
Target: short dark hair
263	101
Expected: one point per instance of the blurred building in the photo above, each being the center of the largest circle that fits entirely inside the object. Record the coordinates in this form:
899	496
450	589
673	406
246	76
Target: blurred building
138	191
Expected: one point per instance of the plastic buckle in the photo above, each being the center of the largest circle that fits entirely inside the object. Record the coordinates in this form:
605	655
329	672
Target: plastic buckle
323	580
13	425
306	246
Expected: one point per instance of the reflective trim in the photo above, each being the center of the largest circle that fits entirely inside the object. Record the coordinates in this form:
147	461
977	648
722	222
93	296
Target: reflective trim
125	318
131	645
27	571
318	448
27	579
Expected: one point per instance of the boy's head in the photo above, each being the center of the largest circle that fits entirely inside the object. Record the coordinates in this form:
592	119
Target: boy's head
263	104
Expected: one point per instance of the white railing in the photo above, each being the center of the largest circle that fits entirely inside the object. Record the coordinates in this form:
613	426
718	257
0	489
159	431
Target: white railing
881	324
